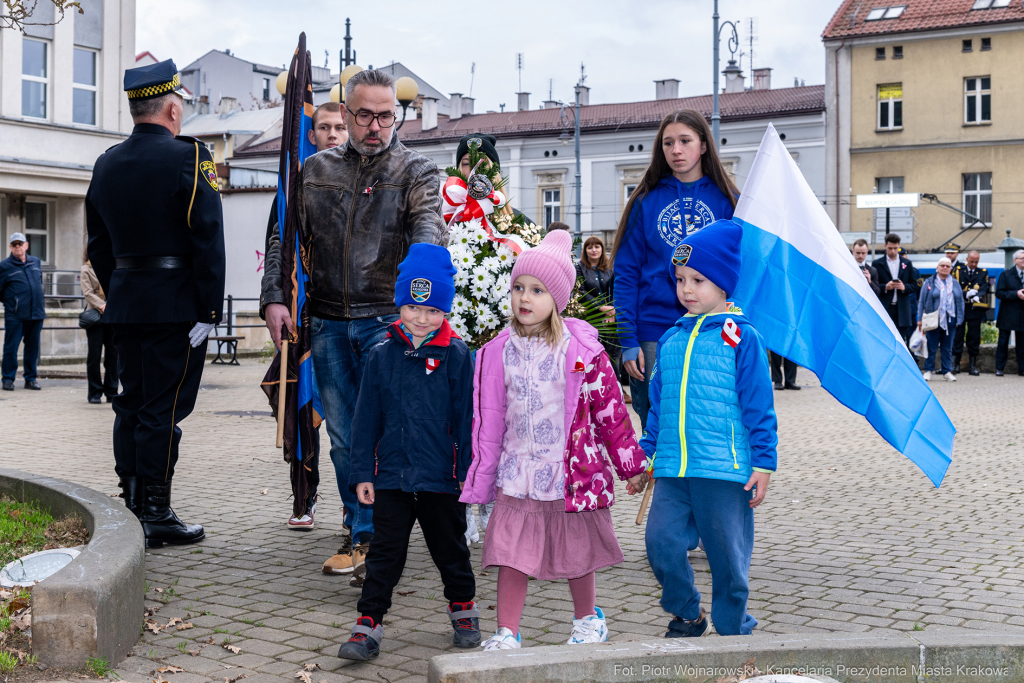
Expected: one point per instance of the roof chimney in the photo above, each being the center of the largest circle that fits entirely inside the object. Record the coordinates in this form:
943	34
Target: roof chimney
667	89
733	77
467	105
227	105
584	95
524	101
551	104
429	114
762	79
455	110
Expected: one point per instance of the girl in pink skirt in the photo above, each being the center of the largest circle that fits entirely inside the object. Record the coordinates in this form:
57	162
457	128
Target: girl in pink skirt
548	418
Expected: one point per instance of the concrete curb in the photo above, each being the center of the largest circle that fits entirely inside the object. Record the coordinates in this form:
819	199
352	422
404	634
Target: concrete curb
950	657
93	607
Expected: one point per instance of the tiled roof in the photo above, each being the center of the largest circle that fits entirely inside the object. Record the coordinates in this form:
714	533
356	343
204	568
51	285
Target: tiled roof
751	104
596	118
920	15
261	149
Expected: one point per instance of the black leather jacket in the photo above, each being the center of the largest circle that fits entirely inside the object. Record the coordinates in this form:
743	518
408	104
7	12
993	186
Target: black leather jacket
356	238
596	283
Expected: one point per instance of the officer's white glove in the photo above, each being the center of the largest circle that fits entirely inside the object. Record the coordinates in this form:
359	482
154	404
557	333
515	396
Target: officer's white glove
973	294
199	333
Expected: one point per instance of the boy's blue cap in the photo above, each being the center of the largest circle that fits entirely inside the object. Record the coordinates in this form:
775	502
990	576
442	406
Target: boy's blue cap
714	252
426	278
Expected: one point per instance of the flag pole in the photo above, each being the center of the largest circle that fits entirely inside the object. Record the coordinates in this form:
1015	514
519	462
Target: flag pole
644	503
282	392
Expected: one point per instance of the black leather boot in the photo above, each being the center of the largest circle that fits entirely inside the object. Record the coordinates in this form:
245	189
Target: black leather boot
974	366
956	365
160	524
131	494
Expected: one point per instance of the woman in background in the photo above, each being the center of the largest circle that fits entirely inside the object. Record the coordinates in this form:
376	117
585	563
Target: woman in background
101	341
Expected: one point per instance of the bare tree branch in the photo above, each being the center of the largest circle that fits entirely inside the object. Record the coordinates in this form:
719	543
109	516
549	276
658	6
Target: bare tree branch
18	12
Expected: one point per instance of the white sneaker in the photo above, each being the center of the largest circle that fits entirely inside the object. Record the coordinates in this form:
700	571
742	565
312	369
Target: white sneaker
472	532
503	639
928	376
950	377
592	629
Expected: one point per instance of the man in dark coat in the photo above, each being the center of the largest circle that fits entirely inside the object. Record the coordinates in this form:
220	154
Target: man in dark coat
900	282
156	242
860	255
1010	292
21	289
975	285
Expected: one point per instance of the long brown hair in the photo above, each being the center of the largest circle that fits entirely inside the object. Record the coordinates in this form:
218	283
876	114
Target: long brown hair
602	263
710	165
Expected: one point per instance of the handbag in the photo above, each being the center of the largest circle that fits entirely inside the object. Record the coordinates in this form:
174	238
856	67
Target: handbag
930	321
89	318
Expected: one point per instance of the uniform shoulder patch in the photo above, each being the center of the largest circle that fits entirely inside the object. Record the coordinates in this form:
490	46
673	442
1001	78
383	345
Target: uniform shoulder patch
209	171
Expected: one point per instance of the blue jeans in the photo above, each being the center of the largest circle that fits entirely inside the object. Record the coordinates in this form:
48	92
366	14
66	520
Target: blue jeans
941	340
14	331
718	512
637	389
340	349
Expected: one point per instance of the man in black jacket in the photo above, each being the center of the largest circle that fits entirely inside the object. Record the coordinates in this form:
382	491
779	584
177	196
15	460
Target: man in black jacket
360	206
156	242
975	285
1010	292
860	255
21	290
900	278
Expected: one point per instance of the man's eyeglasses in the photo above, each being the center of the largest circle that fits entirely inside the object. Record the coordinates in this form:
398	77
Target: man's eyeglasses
365	118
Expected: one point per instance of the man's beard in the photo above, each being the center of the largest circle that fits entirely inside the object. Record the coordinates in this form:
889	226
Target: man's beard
368	150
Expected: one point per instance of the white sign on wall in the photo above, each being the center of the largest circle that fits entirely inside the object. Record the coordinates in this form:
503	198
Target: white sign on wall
888	201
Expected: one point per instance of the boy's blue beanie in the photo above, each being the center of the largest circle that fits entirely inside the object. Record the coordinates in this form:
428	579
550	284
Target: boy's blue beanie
426	278
714	252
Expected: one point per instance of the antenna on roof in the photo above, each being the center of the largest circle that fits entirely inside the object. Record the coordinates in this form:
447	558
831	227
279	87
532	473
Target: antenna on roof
519	68
472	74
551	88
327	59
583	74
751	24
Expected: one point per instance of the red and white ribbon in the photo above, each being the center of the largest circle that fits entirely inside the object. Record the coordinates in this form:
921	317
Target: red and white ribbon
731	333
460	207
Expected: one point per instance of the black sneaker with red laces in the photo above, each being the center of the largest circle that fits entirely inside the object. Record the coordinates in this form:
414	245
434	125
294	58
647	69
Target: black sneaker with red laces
466	623
365	641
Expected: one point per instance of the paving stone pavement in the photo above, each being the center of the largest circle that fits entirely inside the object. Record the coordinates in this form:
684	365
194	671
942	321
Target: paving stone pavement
852	537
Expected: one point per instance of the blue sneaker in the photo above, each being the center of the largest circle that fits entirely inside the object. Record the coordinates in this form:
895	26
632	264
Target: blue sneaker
591	629
365	641
693	628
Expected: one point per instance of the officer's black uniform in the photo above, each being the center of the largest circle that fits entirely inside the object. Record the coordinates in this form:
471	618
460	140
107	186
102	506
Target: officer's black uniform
156	242
974	313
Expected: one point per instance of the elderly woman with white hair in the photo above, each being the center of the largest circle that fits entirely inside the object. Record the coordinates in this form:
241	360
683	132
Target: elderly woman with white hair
941	303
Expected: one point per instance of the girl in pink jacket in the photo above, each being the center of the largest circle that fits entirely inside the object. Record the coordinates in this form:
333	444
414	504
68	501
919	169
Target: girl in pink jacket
548	417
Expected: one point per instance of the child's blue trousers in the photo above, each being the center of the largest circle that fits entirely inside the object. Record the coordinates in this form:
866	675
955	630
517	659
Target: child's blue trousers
718	513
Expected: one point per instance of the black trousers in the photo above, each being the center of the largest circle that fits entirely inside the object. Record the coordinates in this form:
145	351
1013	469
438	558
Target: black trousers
443	521
777	363
102	382
894	315
970	329
160	373
1003	350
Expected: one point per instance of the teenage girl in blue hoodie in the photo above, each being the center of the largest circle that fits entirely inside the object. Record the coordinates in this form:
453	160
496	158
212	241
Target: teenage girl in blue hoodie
684	190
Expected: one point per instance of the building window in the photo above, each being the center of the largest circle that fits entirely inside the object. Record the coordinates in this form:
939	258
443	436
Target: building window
986	44
978	100
879	13
37	230
266	89
552	206
627	192
879	53
212	146
892	185
978	198
35	77
990	4
890	106
84	97
897	52
968	45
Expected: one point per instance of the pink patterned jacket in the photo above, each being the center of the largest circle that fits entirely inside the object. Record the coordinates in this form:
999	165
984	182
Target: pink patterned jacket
598	425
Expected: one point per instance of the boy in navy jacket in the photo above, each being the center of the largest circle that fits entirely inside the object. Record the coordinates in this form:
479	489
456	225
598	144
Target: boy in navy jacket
411	450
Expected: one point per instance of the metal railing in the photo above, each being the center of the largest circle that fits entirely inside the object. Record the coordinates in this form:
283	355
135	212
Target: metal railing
229	317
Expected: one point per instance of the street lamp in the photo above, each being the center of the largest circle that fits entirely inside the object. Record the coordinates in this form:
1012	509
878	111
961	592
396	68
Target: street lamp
564	137
346	73
282	82
406	91
734	43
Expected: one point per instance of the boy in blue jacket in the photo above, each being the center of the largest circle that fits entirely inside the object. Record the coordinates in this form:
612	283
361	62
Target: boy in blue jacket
411	450
711	439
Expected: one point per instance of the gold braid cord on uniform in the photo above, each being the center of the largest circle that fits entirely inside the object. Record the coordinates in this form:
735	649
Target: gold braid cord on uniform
195	183
155	90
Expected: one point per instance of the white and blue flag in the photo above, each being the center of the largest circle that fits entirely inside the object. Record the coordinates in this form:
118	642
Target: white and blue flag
803	291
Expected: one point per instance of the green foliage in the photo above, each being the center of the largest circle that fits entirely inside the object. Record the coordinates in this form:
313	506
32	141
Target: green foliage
8	661
989	333
22	529
99	666
479	163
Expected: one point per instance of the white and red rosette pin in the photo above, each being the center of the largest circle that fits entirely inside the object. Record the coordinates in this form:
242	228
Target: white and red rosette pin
731	333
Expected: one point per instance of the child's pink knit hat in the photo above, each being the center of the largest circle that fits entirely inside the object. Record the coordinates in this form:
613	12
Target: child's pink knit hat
551	263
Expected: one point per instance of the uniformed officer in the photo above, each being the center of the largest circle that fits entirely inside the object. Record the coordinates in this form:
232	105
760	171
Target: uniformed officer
975	283
156	242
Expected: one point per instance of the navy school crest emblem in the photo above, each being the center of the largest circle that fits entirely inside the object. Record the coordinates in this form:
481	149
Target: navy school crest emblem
419	289
681	255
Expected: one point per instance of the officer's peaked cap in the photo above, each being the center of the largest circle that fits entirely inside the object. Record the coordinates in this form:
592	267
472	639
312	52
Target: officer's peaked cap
152	80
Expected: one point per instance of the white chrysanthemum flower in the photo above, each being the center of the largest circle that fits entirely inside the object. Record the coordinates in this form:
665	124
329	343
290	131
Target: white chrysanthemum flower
460	304
488	321
484	276
505	256
458	324
479	289
505	307
491	263
461	277
464	260
477	232
461	238
503	284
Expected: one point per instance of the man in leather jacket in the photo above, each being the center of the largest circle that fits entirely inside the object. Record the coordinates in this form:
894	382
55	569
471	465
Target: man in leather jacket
360	206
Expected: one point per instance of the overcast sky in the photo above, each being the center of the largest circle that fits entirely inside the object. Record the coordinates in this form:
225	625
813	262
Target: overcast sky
624	45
